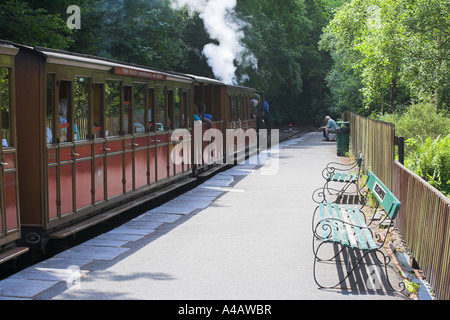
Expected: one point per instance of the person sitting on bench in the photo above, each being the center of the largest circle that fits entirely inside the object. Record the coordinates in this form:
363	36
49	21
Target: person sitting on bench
331	126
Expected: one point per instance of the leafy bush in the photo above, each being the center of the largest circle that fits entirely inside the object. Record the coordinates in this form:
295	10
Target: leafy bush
420	120
430	159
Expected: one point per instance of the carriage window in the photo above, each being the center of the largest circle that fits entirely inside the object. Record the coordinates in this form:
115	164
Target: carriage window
81	109
127	110
232	109
238	107
98	111
151	103
160	103
49	120
139	107
185	123
65	109
112	108
177	109
170	109
5	107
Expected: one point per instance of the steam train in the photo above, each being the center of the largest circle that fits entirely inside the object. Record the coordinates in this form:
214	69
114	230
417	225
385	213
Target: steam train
86	138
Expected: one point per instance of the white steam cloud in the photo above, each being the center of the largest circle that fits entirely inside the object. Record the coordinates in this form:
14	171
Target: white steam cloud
222	25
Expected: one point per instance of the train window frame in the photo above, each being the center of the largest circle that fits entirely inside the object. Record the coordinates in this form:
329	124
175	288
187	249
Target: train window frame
98	126
185	110
77	127
170	106
7	142
151	109
139	127
127	109
161	126
177	108
105	107
64	109
51	137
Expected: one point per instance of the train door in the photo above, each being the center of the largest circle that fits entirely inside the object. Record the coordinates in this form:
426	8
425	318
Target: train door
82	155
140	144
65	136
173	120
99	146
178	119
162	133
114	142
9	208
151	102
127	119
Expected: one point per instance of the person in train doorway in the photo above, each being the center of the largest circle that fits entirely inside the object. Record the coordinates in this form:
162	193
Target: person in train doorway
63	116
330	126
199	111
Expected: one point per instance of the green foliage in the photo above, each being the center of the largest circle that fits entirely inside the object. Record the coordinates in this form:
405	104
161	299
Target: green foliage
390	52
411	286
427	145
282	35
430	159
420	120
33	27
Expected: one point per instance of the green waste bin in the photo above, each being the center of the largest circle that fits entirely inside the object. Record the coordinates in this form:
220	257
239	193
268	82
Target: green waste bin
343	138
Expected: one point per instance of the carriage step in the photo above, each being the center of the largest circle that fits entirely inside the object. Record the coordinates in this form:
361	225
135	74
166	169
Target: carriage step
13	253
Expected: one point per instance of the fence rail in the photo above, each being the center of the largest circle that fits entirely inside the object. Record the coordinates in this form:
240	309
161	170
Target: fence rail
424	223
424	217
375	139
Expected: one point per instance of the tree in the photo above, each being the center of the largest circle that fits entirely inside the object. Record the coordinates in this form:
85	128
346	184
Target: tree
398	49
34	27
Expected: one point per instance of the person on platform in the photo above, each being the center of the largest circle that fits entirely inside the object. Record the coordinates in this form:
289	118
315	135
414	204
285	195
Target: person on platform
330	126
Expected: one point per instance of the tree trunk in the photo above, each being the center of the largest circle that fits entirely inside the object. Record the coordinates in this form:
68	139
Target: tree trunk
393	94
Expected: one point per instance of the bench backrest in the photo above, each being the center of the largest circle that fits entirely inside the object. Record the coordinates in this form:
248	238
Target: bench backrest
385	196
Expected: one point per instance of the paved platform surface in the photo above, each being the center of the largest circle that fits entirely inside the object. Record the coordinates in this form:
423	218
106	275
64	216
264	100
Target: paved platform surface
244	234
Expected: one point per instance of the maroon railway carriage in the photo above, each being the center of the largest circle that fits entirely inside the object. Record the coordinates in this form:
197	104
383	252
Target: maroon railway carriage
9	195
86	138
230	108
93	134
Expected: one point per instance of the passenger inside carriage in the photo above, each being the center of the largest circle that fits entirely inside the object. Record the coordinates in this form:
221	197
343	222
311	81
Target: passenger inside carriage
202	109
200	116
64	125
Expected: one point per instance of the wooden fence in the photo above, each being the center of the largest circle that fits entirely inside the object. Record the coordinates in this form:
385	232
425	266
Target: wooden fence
424	223
375	139
424	218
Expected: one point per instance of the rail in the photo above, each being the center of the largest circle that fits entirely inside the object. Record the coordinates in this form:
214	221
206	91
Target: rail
424	217
375	140
424	223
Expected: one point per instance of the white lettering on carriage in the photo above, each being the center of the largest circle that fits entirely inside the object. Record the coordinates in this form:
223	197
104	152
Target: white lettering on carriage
235	144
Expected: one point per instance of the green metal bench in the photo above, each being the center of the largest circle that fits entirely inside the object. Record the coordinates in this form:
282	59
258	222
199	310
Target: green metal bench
339	174
347	227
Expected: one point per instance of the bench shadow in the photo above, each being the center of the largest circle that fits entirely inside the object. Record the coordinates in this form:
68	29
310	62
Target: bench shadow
368	278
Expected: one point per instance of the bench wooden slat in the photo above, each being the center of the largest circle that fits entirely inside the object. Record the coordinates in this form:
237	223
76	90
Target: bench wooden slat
353	212
346	178
346	236
347	226
336	176
325	220
371	243
342	177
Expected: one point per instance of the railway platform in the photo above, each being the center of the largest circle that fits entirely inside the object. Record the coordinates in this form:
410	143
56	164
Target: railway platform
244	234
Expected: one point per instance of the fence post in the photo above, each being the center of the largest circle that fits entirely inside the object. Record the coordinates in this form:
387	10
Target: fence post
400	142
